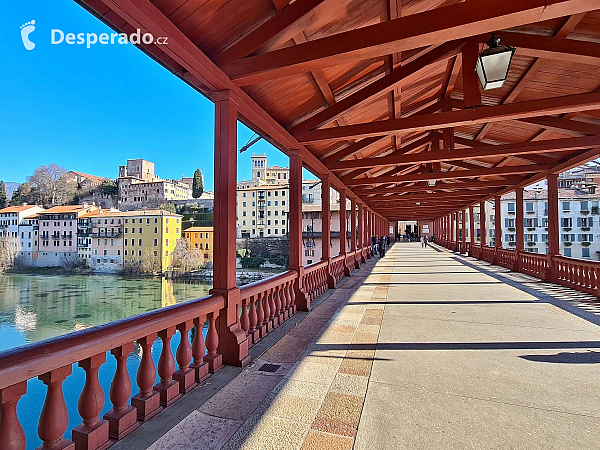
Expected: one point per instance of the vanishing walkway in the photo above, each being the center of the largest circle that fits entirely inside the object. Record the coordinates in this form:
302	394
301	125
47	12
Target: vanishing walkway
427	350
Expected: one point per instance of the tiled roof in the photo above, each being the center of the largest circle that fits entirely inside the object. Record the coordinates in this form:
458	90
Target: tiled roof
88	176
16	209
193	229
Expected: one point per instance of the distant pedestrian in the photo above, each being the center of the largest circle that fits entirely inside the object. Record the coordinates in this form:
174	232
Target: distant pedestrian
374	244
381	247
424	241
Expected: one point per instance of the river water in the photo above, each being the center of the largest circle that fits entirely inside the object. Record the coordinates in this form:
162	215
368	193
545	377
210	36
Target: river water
38	307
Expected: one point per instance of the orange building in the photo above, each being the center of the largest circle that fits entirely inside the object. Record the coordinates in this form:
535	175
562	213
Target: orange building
202	239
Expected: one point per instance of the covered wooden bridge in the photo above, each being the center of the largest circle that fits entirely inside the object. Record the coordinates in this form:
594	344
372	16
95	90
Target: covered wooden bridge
381	100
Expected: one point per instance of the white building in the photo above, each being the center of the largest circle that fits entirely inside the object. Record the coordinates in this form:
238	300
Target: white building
11	217
579	226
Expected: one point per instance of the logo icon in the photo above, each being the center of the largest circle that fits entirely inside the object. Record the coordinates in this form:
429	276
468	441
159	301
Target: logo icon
26	30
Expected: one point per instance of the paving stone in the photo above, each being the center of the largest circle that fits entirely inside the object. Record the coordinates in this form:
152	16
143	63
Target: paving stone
321	441
348	384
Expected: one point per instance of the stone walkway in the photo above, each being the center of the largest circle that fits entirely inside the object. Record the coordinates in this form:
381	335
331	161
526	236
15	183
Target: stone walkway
420	350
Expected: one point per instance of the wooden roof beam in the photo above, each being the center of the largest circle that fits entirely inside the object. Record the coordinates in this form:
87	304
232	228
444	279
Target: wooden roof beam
405	33
451	175
400	75
532	108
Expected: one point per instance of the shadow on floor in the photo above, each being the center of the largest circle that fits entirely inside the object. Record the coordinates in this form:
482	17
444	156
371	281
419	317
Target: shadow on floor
589	357
461	345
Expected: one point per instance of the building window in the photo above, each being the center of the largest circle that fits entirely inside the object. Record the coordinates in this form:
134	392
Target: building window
567	252
139	242
566	206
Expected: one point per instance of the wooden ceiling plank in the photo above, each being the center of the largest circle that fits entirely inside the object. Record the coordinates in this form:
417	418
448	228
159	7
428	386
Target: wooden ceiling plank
287	17
415	31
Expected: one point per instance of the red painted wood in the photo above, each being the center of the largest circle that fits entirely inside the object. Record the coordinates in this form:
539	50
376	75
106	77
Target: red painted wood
12	436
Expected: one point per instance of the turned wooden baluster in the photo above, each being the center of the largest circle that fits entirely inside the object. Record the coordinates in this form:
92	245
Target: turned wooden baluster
12	436
244	319
199	350
272	306
277	300
93	432
185	375
267	307
122	418
168	388
293	293
260	312
213	359
54	418
252	319
147	402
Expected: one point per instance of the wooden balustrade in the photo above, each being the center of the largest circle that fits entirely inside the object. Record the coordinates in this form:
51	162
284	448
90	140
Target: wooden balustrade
507	258
577	274
488	254
533	264
264	305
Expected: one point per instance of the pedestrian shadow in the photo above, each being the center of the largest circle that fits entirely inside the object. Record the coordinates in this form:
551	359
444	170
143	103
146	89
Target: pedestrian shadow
589	357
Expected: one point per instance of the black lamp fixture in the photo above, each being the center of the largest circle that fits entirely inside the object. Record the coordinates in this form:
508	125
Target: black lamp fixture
493	64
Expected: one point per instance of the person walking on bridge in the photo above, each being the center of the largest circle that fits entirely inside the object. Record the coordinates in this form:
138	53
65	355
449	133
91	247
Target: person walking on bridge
424	242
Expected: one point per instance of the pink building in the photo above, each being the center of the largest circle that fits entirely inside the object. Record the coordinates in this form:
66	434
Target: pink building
58	233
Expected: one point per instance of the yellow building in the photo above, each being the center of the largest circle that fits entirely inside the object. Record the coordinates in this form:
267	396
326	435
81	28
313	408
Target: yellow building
149	238
201	238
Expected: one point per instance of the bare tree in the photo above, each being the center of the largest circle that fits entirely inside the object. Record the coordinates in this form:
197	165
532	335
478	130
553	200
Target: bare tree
51	186
185	258
10	247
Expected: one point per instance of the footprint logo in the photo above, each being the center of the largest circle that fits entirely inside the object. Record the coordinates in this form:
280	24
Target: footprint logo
26	30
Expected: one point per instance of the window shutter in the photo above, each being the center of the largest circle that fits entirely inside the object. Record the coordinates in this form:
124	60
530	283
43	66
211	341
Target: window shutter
590	221
579	221
535	222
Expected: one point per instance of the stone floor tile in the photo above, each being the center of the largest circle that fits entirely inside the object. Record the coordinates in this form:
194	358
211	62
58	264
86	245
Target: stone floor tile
360	367
297	409
306	389
314	373
326	441
349	384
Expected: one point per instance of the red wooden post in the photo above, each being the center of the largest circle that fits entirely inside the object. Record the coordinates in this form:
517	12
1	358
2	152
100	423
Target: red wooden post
497	226
471	228
483	224
464	231
519	225
361	232
147	401
470	52
295	226
353	233
326	228
213	358
553	226
168	388
92	434
233	344
122	418
12	436
185	375
198	350
54	418
451	228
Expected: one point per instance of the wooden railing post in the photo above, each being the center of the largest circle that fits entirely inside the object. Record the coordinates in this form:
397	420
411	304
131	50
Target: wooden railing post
54	418
122	418
92	434
233	343
12	436
553	228
214	359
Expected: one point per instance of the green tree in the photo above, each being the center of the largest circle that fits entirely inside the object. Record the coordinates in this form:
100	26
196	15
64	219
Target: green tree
198	184
23	194
109	187
167	207
3	197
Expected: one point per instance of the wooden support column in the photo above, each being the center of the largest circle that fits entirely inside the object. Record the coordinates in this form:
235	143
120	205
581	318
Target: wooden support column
451	228
353	233
361	231
519	225
482	224
295	227
471	227
464	231
498	226
343	219
326	227
553	226
233	345
470	53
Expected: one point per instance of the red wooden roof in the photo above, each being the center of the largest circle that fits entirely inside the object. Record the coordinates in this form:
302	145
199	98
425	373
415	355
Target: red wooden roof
394	82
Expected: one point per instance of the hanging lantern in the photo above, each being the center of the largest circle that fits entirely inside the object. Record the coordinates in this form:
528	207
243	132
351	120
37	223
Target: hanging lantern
493	64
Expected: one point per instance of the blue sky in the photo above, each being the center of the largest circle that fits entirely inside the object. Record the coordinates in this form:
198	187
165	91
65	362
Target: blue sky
92	109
